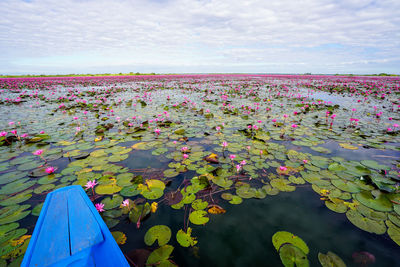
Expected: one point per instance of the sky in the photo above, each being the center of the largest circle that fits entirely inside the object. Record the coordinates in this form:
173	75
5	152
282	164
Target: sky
199	36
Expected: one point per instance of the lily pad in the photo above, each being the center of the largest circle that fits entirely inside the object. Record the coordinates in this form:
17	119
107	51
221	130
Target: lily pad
130	191
107	189
199	204
13	213
17	186
366	224
160	256
292	256
380	203
393	232
198	217
119	237
374	165
282	237
111	203
330	259
282	185
21	197
161	233
185	239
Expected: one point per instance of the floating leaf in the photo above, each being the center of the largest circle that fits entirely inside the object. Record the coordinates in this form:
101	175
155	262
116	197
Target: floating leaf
374	165
36	210
160	256
347	186
173	197
119	237
366	224
293	256
236	200
330	259
107	189
185	239
44	188
8	227
17	198
17	186
336	205
199	204
13	213
139	211
130	191
283	237
215	209
348	146
393	232
282	185
380	203
161	233
110	203
198	217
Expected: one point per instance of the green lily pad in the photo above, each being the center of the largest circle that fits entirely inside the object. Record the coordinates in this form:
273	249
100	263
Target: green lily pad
347	186
199	204
330	259
393	232
130	191
110	203
380	203
236	200
107	189
282	237
282	185
198	217
17	186
11	177
374	165
161	233
8	227
98	153
366	224
153	190
160	256
170	173
186	239
14	213
139	211
36	210
44	188
292	256
336	206
21	197
336	167
227	196
117	157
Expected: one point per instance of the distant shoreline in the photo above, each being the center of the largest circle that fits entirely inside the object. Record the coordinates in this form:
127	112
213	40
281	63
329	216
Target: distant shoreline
165	74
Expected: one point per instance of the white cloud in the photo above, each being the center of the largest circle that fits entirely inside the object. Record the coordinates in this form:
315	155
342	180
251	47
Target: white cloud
292	36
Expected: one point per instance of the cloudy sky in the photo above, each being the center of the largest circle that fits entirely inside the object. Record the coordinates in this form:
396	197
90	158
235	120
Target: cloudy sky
199	36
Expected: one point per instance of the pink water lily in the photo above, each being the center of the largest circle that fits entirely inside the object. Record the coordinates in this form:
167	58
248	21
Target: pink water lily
90	184
50	170
3	134
125	203
38	152
99	207
283	168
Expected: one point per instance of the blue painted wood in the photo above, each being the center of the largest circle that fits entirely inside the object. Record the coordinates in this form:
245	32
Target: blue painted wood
70	232
53	236
84	229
